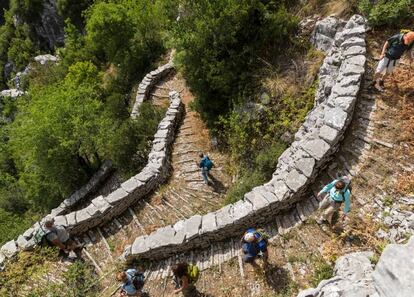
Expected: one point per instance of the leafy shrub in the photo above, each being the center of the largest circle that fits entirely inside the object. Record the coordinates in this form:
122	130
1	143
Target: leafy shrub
392	13
219	43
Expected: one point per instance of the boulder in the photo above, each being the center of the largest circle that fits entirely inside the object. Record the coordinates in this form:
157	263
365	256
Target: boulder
353	278
394	273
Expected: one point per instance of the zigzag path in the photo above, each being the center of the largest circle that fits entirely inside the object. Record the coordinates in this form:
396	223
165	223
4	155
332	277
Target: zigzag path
372	153
184	195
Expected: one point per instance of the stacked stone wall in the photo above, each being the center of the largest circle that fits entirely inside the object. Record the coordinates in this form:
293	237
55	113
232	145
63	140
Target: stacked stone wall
315	142
102	209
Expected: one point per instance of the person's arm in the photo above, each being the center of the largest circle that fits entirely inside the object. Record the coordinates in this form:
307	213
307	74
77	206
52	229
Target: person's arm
184	285
328	187
57	242
384	50
347	196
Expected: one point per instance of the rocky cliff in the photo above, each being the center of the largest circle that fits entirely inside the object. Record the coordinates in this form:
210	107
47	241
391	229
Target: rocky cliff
355	276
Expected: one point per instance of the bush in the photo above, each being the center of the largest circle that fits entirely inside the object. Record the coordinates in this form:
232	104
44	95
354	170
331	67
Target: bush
393	13
218	45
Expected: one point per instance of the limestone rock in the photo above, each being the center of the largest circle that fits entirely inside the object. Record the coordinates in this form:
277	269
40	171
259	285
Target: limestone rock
394	273
324	33
9	249
353	278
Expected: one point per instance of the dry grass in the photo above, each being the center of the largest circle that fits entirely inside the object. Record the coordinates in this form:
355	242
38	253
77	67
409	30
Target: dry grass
361	232
324	8
403	87
299	75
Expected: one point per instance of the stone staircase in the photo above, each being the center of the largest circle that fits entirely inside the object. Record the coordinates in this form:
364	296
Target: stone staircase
354	153
183	196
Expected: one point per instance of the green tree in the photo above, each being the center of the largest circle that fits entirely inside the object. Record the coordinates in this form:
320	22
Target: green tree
219	43
21	47
54	138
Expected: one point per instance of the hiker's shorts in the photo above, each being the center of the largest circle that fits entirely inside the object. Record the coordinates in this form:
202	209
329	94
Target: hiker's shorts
386	66
330	207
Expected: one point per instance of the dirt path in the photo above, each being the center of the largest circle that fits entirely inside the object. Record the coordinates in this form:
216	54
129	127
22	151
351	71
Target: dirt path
374	155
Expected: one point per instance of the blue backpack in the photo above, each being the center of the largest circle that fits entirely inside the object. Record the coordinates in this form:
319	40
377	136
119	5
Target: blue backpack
208	163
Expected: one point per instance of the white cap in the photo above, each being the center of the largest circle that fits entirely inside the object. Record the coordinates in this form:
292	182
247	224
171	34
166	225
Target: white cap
249	237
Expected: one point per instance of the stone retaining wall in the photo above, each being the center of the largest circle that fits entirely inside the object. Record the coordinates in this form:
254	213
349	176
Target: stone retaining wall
298	166
103	209
25	241
148	83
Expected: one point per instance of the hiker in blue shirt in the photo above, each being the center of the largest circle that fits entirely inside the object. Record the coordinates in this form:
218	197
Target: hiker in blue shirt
254	244
132	282
205	164
336	193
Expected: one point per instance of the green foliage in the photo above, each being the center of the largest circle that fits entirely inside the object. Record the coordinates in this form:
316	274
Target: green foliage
253	137
218	44
131	141
12	224
55	138
23	268
393	13
21	47
323	270
78	281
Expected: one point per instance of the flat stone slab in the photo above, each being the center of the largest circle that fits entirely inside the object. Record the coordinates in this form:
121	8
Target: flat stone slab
349	91
281	190
131	185
116	196
208	223
330	135
336	118
224	216
296	180
139	246
9	249
317	148
101	204
241	209
345	103
306	166
191	226
256	199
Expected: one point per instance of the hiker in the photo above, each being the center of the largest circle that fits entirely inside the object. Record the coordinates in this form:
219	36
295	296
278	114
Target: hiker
254	244
336	192
185	276
132	282
57	235
205	164
392	51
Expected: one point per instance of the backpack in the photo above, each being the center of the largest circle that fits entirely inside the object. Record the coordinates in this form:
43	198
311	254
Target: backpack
193	273
40	237
208	163
396	47
348	185
138	280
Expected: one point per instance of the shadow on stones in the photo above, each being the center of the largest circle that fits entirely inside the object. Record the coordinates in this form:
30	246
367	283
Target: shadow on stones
216	185
277	278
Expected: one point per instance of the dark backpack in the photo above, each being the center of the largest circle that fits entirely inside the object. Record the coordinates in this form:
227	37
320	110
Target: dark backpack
208	163
138	280
40	237
396	47
348	186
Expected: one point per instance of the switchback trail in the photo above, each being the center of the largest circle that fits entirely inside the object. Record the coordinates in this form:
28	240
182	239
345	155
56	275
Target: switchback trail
371	153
